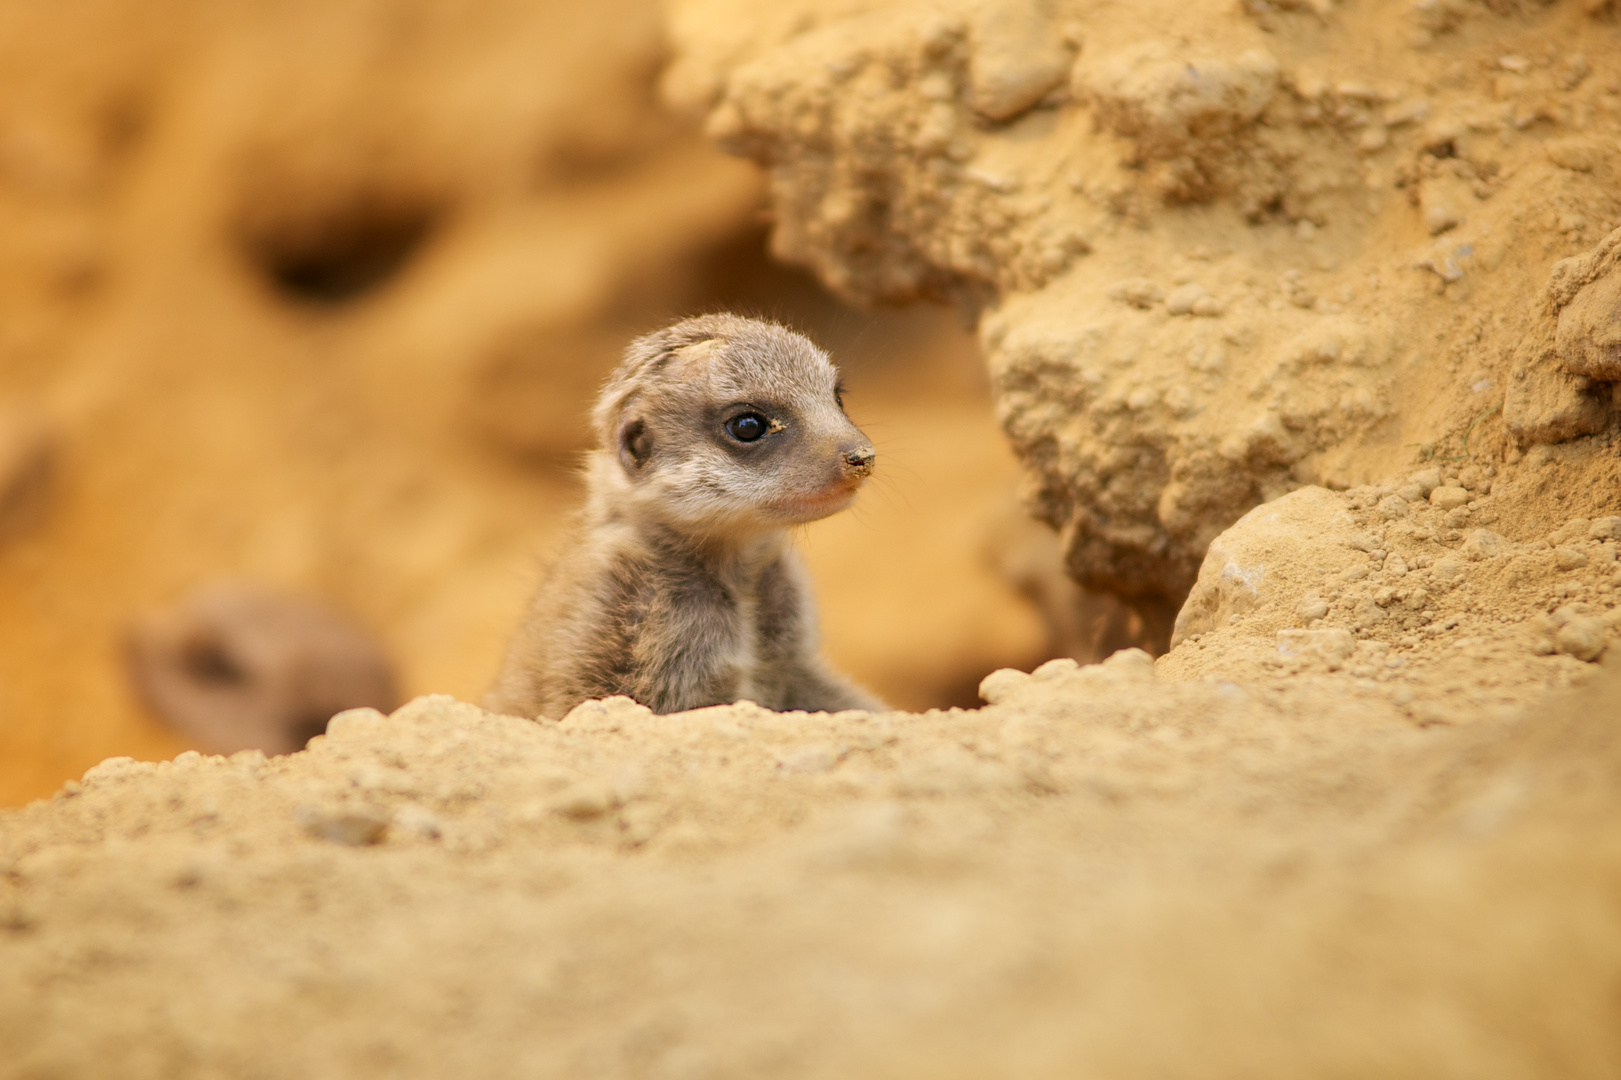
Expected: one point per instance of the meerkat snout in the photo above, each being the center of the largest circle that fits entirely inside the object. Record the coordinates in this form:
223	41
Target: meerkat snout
860	460
715	436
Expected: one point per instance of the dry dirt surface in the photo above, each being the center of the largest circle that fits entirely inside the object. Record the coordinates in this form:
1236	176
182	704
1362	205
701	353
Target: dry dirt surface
1102	873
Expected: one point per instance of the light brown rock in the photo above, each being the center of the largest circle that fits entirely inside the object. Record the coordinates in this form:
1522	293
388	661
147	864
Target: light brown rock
1449	498
1590	330
1256	569
1582	637
1016	57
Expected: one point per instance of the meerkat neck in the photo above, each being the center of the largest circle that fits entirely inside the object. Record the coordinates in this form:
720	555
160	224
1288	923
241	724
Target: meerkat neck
722	551
611	504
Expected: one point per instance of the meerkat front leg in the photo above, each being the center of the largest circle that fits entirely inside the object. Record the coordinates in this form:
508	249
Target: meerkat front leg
689	650
813	688
790	661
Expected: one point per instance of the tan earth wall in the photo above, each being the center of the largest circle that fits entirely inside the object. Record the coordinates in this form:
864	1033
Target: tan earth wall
1217	250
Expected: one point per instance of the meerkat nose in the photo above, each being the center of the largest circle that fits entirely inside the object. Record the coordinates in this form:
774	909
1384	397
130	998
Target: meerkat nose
860	459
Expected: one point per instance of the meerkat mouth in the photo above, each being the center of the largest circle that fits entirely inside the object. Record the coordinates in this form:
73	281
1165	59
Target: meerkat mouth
819	504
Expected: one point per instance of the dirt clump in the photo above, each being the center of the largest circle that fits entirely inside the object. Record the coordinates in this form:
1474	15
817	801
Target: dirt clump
1239	250
1100	871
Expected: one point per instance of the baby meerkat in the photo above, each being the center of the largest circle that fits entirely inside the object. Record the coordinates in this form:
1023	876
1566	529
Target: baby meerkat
680	588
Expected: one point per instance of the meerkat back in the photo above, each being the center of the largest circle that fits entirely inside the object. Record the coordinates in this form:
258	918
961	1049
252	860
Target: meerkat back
680	587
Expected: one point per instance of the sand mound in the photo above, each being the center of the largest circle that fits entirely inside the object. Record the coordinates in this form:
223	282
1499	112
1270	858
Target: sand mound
1102	872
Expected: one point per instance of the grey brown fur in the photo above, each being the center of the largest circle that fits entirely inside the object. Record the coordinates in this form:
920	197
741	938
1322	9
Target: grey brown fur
680	588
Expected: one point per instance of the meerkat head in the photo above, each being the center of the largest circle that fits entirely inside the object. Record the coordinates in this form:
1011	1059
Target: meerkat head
721	424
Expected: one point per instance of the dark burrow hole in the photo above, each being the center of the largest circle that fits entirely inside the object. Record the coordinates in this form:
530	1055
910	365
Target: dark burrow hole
336	250
207	662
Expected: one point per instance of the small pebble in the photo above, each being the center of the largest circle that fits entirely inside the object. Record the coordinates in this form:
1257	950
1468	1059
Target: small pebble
353	828
1427	480
583	800
1312	607
1569	558
1581	637
1449	498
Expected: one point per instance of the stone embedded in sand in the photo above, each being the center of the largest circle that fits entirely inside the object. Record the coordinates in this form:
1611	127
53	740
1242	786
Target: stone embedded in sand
1483	544
351	723
1589	334
1605	528
1444	202
1126	666
1539	631
1582	637
1138	292
1575	153
585	799
1333	645
1367	613
350	827
1570	532
1016	57
236	666
1565	364
1186	116
1001	684
1427	480
418	820
1270	554
1191	299
1449	498
1569	558
1545	404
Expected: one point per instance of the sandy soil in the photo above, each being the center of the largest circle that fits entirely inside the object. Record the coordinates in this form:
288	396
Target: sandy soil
1101	873
1359	819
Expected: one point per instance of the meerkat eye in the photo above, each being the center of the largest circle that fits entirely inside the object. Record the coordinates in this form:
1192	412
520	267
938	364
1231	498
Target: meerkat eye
747	427
838	395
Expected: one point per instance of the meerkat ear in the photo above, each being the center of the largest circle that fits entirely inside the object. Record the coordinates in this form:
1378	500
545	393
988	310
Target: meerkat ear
635	445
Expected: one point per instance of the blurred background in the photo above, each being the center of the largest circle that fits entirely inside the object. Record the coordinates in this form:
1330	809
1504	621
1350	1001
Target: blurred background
312	298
